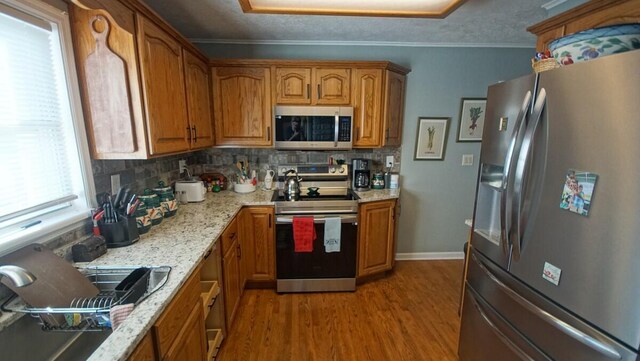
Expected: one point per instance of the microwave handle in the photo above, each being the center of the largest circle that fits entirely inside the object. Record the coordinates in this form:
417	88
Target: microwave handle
335	136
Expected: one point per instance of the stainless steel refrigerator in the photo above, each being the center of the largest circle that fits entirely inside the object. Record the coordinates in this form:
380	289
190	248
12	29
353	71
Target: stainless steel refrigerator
554	268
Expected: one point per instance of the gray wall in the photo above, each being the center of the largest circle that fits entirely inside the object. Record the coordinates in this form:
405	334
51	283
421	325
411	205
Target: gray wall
436	195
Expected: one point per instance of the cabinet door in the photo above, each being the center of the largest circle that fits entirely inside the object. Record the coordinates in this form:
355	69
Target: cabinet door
368	108
191	342
258	254
144	351
394	109
293	86
376	237
242	106
231	283
332	86
196	74
164	91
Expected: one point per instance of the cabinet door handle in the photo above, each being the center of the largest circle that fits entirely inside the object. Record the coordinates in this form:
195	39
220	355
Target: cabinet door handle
232	235
208	253
195	134
269	220
319	92
190	134
357	133
308	91
239	251
269	134
386	137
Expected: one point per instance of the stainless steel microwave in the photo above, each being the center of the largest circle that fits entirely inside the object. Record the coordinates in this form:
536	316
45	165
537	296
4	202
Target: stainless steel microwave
313	127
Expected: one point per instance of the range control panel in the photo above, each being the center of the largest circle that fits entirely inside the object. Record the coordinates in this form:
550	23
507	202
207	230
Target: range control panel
314	170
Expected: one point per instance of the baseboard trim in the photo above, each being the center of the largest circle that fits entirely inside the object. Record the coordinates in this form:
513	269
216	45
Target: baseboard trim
428	256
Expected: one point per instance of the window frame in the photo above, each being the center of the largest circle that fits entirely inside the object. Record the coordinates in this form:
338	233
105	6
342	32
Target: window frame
59	222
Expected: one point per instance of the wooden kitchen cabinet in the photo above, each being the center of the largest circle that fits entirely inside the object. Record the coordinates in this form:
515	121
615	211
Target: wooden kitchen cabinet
164	89
144	351
394	96
258	240
232	287
378	108
367	124
198	101
138	90
179	332
293	86
313	86
376	237
242	106
593	14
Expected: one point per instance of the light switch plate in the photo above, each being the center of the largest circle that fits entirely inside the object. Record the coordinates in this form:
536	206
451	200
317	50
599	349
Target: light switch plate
389	162
467	159
182	165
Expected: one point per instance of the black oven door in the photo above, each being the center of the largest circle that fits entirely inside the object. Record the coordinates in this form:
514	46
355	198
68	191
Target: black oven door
317	264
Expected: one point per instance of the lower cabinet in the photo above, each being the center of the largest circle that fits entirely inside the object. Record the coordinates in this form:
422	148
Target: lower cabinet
179	332
232	286
376	237
145	350
258	240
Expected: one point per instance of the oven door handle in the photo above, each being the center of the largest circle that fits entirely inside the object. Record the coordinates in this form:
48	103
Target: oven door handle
320	220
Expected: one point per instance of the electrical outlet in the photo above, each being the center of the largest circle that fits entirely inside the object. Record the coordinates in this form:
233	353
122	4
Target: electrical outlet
389	162
182	165
115	183
467	159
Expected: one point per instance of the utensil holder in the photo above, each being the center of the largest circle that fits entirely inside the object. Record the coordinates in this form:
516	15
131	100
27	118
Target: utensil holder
120	234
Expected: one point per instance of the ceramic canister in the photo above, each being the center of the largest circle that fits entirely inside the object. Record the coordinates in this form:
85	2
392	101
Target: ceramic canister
168	201
154	210
143	221
377	182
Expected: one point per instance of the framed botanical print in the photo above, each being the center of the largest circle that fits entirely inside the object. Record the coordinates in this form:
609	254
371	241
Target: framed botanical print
432	138
472	111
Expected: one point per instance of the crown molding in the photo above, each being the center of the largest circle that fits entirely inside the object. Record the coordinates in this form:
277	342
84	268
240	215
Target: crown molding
362	43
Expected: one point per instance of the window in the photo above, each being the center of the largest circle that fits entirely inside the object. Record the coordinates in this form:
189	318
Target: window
44	167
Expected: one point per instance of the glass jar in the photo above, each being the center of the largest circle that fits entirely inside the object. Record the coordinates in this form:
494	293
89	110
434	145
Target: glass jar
168	201
377	181
154	210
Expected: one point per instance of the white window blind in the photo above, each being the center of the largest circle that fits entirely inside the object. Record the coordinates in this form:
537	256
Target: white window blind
40	158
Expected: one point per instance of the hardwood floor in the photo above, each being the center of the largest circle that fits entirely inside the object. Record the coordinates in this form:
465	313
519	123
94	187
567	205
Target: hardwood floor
411	315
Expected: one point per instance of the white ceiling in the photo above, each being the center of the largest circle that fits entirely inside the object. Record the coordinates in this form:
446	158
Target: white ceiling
477	22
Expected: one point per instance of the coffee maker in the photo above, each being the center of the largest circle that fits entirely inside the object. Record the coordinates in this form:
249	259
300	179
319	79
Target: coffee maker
360	174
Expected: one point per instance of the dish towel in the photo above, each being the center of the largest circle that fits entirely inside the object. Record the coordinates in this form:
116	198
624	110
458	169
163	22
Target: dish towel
304	233
120	313
332	234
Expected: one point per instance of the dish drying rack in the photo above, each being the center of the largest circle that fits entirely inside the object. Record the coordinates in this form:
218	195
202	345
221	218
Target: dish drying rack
92	314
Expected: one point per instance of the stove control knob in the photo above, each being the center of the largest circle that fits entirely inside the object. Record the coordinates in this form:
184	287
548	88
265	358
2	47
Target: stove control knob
341	170
332	170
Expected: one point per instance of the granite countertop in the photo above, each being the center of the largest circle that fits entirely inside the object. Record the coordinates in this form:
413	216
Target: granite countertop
180	242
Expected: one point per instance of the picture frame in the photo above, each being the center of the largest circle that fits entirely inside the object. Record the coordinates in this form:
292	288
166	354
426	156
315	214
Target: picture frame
471	124
431	139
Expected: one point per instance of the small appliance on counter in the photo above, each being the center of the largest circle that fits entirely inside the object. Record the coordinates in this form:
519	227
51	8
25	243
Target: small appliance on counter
360	174
191	190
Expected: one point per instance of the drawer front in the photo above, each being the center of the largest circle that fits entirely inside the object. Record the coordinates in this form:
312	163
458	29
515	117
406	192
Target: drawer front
174	317
229	235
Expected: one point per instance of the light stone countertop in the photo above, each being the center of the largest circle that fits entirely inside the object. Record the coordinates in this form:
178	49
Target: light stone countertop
180	242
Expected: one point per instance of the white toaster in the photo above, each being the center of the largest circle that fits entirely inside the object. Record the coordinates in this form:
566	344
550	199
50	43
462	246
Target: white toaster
190	191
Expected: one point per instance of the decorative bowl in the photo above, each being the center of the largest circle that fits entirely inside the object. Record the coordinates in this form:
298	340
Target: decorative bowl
595	43
244	188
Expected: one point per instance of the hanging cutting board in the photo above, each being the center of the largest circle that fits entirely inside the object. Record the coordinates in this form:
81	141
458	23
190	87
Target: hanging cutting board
57	281
106	78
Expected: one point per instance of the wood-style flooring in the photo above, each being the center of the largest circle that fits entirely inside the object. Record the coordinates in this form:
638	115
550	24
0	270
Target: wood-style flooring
410	315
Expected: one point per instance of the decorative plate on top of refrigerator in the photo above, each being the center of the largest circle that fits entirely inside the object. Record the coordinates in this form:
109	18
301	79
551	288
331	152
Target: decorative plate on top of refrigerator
577	191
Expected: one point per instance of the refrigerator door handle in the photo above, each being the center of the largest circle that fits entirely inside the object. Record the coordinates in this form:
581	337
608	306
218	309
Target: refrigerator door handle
564	327
497	331
509	164
521	172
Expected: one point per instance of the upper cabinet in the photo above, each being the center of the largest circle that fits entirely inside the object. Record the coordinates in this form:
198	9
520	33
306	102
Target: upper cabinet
312	86
198	100
142	96
378	107
242	106
593	14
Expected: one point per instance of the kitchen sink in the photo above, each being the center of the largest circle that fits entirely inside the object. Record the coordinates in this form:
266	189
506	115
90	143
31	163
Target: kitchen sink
35	337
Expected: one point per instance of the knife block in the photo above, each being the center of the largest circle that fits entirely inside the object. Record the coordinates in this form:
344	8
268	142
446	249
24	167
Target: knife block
120	234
